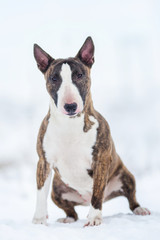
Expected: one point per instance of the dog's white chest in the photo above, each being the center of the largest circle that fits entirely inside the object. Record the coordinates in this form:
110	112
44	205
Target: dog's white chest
69	149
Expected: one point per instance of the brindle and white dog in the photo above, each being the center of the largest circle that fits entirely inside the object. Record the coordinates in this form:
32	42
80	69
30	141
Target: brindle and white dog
75	141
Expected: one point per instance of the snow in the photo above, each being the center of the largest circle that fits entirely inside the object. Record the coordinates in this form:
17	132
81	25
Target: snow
17	203
125	89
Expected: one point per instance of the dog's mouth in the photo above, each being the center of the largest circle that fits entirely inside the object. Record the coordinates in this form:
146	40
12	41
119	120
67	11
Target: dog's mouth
75	115
71	114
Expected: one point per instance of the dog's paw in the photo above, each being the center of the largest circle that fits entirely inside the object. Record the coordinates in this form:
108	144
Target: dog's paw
42	220
94	222
141	211
66	220
94	217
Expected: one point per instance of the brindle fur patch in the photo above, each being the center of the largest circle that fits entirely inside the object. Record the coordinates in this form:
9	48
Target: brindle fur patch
43	167
128	188
90	172
43	170
58	188
41	134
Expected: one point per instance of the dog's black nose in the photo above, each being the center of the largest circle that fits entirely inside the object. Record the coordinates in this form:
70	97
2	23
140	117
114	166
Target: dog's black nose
70	108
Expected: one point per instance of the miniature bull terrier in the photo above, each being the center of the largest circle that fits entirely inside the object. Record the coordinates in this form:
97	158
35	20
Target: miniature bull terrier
75	141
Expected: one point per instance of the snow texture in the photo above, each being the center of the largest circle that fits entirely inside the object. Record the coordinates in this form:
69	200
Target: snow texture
17	205
125	89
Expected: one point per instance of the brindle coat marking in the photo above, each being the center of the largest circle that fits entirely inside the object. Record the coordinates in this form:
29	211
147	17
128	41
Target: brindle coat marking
58	189
106	164
43	167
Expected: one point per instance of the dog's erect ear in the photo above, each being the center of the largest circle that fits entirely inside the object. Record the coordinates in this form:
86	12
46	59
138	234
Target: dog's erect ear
42	58
86	53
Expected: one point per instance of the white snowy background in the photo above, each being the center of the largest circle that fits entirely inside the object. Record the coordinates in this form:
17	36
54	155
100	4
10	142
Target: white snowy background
125	89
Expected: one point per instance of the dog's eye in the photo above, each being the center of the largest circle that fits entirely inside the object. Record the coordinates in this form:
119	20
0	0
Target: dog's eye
79	75
54	78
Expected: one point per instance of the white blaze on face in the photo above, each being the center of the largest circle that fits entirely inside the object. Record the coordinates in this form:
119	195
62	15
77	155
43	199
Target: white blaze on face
68	92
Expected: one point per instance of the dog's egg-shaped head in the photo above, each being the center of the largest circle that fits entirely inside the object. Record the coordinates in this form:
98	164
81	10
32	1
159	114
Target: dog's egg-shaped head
67	80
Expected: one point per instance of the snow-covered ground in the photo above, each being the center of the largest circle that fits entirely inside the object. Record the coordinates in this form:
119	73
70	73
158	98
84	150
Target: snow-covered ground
17	202
125	89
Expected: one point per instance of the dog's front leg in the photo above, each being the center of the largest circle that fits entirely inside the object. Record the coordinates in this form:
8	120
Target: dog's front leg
99	183
43	182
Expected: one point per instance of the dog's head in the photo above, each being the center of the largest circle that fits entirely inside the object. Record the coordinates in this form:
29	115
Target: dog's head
67	80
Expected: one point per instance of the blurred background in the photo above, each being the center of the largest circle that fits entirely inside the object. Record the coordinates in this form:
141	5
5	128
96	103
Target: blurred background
125	76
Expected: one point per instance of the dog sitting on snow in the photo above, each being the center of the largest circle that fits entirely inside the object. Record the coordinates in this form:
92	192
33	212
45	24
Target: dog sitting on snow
75	141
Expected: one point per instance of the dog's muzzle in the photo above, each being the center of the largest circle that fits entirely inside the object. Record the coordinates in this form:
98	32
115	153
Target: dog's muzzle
70	108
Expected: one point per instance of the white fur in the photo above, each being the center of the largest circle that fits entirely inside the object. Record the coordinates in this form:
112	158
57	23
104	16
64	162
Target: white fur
76	197
114	185
73	196
66	220
94	217
41	204
69	148
141	211
68	92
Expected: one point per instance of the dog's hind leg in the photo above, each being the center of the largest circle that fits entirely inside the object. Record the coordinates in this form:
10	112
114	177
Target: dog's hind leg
58	189
129	191
123	183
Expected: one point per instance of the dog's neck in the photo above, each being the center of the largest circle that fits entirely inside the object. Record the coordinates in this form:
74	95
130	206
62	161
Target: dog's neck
88	108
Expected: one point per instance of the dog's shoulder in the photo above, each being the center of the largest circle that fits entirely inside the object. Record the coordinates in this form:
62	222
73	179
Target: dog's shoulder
41	134
104	139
